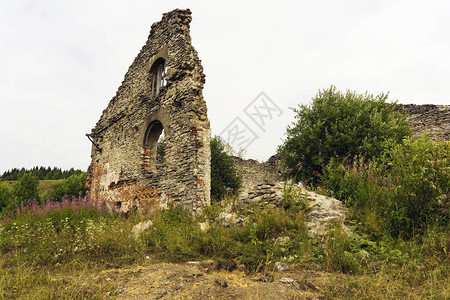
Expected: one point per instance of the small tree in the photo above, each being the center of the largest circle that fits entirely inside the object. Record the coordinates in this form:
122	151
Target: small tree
72	186
27	188
224	175
337	125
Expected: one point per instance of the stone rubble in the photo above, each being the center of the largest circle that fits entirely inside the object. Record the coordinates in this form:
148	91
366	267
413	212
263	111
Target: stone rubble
321	210
279	266
141	227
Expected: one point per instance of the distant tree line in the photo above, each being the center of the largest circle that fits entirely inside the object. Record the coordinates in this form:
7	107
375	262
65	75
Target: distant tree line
41	173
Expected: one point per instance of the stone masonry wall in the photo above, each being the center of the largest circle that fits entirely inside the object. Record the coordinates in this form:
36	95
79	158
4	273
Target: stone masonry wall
432	119
125	170
254	172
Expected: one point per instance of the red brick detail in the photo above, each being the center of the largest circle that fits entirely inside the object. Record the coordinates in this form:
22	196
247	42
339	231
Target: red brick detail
198	144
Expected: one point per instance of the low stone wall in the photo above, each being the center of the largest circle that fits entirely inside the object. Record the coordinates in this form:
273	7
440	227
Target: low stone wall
255	173
429	118
261	182
263	194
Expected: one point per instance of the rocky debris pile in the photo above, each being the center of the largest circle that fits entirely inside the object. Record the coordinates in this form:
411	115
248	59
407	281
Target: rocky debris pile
231	219
321	212
141	227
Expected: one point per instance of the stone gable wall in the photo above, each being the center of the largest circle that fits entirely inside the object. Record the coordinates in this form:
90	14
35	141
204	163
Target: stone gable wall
125	172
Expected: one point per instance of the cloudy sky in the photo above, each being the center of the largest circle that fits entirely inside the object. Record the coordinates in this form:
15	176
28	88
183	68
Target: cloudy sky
63	60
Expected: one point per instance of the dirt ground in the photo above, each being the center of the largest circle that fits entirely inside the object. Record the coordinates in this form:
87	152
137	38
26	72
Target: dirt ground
211	280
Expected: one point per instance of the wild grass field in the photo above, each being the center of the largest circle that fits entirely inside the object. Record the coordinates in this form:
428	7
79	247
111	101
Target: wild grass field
57	250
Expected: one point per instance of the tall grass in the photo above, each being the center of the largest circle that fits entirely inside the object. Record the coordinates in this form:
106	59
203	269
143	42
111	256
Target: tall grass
41	243
402	192
176	235
65	232
53	249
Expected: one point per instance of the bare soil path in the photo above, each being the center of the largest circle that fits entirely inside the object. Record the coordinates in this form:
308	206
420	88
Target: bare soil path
206	280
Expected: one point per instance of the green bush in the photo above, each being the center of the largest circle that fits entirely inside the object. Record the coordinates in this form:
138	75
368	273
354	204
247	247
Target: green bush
72	186
403	192
225	178
27	188
337	125
5	196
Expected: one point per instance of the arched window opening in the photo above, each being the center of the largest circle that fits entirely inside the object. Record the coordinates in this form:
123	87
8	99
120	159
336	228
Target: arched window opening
158	74
153	151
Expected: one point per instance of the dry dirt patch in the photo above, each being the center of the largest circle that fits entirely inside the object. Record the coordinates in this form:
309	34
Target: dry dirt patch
208	281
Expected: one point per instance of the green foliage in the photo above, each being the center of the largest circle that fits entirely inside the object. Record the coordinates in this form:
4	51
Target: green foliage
160	149
5	195
27	188
337	125
224	175
72	186
293	198
402	192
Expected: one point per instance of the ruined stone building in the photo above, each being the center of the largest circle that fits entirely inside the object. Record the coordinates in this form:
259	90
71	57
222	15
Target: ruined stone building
161	96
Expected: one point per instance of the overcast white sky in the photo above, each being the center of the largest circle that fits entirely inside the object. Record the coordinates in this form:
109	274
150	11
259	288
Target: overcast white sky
62	61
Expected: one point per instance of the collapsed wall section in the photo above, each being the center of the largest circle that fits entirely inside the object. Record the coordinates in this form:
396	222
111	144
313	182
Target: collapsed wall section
151	144
429	118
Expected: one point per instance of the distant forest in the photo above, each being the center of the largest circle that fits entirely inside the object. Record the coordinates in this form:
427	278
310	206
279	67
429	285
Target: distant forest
41	173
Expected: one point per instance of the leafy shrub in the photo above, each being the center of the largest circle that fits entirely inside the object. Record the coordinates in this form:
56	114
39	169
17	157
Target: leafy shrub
403	191
27	188
5	196
339	125
224	175
72	186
